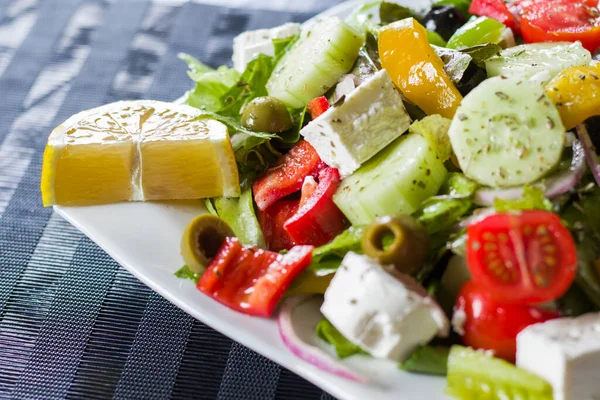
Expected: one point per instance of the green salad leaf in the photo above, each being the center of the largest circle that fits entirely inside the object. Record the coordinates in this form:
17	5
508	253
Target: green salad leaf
343	347
327	259
240	215
434	129
392	12
186	273
430	360
533	199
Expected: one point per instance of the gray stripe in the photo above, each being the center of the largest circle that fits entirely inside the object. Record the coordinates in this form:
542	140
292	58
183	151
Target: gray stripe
158	348
15	25
30	301
56	354
32	56
248	376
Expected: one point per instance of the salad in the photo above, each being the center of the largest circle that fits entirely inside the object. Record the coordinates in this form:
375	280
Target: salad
421	185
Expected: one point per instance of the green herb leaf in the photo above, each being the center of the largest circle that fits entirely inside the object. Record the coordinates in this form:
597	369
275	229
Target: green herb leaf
282	46
327	259
434	129
428	360
343	347
392	12
533	199
480	54
186	273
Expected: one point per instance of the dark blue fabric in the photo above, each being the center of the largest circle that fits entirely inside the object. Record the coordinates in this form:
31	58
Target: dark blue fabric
73	323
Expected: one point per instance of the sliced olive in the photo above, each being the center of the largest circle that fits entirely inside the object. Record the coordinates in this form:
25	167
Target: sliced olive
266	114
444	20
202	240
400	241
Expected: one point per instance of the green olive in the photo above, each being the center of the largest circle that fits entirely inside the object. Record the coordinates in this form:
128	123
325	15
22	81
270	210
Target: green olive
400	241
202	240
266	114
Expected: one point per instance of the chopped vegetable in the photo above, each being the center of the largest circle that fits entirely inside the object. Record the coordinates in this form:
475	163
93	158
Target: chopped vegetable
240	215
251	280
533	199
287	175
396	181
575	92
318	220
343	347
310	281
202	239
318	106
561	20
507	133
428	360
435	128
415	68
523	258
496	9
266	114
477	375
478	31
272	222
392	12
400	241
484	323
326	259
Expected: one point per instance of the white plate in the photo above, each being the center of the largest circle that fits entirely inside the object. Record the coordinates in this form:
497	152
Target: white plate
144	238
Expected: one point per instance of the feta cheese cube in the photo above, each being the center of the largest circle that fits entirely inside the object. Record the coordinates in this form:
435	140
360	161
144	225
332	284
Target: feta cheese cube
248	45
565	352
385	312
370	118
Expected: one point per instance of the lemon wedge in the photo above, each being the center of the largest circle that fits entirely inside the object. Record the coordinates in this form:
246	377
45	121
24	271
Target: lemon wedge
138	151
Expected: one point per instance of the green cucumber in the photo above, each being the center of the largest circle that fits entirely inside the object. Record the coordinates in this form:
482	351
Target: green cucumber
507	132
475	375
396	181
540	61
322	55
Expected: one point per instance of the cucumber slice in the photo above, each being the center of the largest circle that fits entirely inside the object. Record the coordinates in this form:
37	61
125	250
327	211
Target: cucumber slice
476	375
539	61
507	132
395	181
322	55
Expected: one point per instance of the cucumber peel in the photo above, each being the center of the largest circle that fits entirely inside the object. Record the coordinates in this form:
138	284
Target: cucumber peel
475	375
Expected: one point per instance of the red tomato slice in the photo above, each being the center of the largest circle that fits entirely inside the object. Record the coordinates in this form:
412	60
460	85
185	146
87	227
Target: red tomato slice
287	175
523	258
561	20
272	221
490	325
251	280
496	9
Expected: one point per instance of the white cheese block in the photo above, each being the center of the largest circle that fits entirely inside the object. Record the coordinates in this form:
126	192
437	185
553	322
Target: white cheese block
565	352
370	118
383	311
248	45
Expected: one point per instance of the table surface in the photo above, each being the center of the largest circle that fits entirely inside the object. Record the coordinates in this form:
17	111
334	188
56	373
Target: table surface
73	323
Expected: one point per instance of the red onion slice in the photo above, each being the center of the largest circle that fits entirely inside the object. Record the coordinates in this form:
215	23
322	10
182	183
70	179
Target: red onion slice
298	319
554	186
590	152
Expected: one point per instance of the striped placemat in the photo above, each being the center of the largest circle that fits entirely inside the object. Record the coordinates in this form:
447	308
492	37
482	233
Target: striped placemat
73	323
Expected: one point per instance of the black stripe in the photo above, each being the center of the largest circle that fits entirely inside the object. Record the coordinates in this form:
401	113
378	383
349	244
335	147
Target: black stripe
291	386
31	57
111	338
63	337
203	364
156	353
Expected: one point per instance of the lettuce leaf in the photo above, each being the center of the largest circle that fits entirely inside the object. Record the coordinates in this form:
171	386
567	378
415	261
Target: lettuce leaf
430	360
532	199
343	347
327	259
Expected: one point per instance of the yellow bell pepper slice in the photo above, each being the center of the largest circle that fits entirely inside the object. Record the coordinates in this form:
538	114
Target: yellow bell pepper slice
416	69
576	93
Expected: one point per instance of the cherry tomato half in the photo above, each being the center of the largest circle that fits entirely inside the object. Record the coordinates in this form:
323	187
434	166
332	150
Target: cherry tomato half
522	258
561	20
490	325
496	9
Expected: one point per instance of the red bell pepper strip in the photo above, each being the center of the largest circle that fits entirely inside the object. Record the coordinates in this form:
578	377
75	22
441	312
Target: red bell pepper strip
496	9
251	280
287	175
318	106
272	220
319	220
